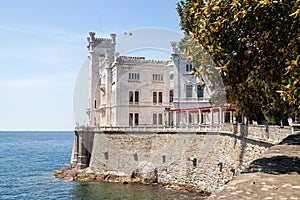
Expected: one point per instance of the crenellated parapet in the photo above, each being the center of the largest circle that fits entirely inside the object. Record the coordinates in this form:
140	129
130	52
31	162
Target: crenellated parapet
94	41
92	38
140	60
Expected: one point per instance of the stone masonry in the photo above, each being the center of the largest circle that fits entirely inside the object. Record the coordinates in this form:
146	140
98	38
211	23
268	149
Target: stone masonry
200	161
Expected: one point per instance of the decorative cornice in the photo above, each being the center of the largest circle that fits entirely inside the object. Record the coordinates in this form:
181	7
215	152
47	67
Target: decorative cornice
140	60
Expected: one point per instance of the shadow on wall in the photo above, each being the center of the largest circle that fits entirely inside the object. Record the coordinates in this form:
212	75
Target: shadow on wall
275	165
291	140
244	133
278	164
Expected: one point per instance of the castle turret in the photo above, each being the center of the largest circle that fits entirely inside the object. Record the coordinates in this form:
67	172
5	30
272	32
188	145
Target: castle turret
178	60
100	55
109	59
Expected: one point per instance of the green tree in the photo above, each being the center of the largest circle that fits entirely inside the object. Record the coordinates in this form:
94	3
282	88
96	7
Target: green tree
255	45
206	70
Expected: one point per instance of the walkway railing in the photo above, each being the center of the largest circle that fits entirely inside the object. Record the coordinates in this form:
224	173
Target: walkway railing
151	128
264	133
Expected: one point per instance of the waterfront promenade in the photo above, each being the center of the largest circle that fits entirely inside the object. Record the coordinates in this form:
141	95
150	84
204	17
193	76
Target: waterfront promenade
276	175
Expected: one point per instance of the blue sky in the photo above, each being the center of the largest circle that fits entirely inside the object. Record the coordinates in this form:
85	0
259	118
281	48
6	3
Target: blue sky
42	48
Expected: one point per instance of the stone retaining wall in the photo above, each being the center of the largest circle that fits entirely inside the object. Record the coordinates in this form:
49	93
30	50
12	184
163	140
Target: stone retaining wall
194	160
271	134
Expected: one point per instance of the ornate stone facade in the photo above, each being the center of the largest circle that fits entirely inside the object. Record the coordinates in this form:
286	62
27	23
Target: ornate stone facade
133	91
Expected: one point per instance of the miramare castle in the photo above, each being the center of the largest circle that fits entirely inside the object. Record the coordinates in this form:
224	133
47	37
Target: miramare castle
135	92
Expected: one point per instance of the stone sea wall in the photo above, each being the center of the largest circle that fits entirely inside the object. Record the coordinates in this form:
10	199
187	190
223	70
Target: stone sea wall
200	161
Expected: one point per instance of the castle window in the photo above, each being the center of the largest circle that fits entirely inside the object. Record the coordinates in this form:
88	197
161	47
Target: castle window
157	119
188	67
160	119
130	97
136	119
171	76
133	119
154	97
157	97
171	118
133	97
157	77
160	97
154	119
200	91
95	104
171	95
130	119
136	96
134	76
227	117
189	90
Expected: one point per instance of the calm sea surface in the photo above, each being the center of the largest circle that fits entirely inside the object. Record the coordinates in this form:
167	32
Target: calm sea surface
27	162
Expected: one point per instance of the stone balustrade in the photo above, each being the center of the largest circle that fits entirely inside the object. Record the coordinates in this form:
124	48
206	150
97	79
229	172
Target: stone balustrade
264	133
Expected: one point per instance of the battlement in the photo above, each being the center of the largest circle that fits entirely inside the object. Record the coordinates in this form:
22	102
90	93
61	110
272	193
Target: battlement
102	40
92	38
140	60
94	42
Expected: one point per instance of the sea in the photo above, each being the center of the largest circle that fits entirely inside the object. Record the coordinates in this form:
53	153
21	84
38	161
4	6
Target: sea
29	158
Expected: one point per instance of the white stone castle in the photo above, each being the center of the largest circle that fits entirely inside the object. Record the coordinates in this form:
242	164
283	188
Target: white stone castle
135	92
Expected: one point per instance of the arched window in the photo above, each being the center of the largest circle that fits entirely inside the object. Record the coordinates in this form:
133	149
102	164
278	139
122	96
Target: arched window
171	95
160	97
200	91
157	97
154	97
136	97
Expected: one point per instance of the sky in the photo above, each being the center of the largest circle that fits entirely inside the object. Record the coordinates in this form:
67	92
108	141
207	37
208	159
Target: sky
43	47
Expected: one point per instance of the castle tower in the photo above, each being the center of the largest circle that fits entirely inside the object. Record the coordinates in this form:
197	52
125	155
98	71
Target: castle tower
100	55
109	59
178	60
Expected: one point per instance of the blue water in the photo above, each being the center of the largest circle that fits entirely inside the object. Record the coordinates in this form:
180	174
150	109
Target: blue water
27	162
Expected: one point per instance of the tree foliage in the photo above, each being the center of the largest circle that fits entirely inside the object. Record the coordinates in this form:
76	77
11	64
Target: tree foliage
208	72
255	45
